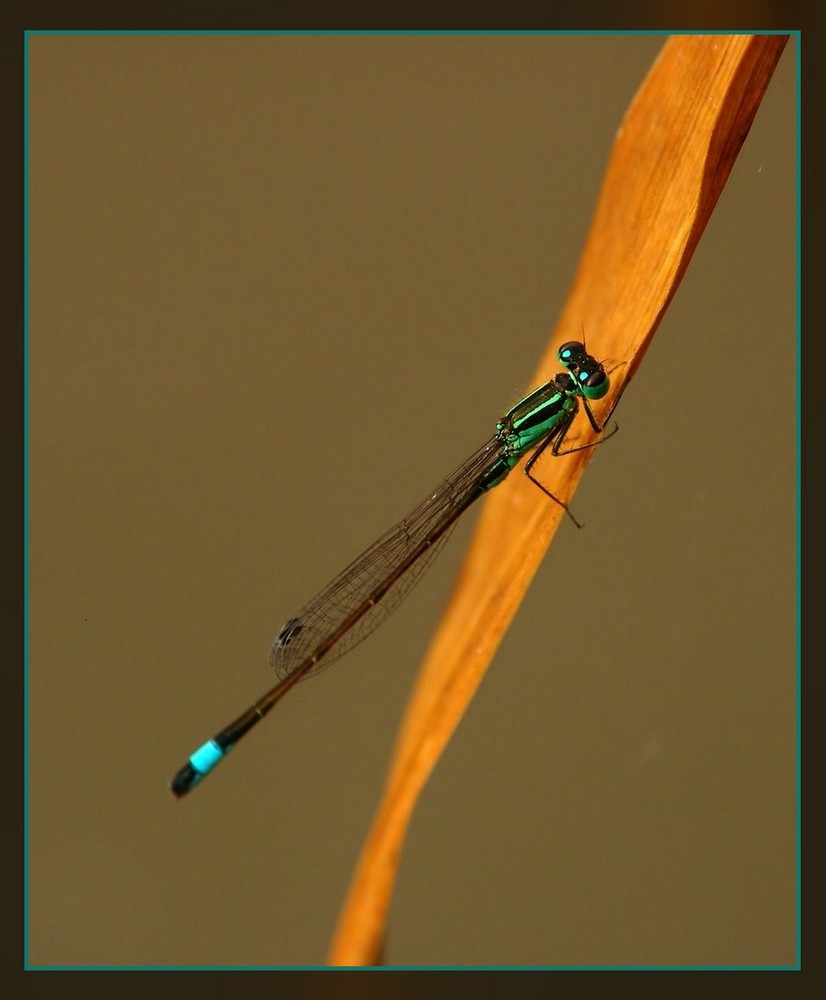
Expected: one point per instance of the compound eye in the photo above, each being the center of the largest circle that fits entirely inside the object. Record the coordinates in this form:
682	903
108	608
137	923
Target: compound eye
594	380
593	384
571	353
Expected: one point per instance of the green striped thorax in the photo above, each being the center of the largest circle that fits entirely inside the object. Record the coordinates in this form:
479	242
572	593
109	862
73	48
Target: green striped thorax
547	412
538	415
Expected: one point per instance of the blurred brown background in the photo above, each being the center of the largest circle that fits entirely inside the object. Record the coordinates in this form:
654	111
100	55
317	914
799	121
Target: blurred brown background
280	285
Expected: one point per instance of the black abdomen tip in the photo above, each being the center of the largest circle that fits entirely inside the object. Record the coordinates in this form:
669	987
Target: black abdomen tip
185	779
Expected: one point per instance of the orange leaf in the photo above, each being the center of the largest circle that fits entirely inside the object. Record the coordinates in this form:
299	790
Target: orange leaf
671	158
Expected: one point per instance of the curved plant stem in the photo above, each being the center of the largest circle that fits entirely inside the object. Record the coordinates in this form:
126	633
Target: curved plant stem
671	158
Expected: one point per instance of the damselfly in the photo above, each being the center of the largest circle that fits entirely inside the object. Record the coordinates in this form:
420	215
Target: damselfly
361	597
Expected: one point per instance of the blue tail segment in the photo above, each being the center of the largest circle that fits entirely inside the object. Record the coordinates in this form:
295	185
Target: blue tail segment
198	765
207	756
